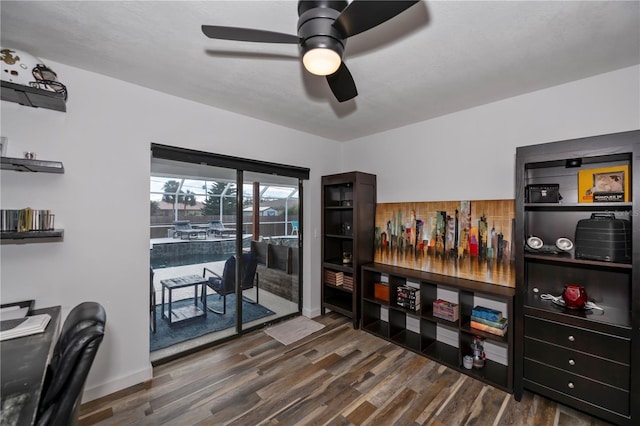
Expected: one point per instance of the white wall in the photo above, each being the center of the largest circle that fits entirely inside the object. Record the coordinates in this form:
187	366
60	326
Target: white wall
470	155
102	202
104	140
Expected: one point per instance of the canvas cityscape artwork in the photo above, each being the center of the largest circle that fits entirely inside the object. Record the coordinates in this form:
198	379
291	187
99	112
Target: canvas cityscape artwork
465	239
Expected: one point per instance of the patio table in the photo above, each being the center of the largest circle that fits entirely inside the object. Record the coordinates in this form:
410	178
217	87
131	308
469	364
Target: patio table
189	312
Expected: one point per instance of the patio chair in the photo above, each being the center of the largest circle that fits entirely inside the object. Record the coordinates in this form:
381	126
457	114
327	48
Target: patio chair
183	228
226	284
216	227
294	227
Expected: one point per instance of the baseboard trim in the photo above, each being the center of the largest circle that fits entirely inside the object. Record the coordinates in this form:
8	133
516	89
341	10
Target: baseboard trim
104	389
311	313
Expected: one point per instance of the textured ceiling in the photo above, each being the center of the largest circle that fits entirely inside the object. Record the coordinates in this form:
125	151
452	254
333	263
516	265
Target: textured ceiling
434	59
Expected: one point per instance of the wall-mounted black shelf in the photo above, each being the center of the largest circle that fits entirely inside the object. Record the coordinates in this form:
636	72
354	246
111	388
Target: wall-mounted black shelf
13	237
33	97
24	165
31	166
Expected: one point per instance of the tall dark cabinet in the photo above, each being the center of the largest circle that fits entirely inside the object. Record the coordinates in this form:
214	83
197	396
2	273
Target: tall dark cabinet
348	221
586	358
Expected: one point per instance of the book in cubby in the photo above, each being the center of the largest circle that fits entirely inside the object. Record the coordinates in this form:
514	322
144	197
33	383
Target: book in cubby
488	320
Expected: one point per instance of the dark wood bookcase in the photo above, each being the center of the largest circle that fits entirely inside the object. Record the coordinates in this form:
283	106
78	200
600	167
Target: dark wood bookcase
348	220
422	332
588	359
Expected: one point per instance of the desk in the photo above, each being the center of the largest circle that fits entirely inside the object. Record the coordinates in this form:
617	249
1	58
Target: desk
24	364
188	312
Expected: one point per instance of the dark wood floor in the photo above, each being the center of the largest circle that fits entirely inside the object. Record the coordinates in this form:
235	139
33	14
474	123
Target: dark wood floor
337	376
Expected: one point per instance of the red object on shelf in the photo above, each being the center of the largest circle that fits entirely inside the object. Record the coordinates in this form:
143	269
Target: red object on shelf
574	296
381	291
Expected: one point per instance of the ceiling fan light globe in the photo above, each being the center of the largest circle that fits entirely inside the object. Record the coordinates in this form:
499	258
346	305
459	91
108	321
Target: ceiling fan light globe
321	61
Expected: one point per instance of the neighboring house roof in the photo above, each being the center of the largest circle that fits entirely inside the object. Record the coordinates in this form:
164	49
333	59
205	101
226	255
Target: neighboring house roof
163	205
261	209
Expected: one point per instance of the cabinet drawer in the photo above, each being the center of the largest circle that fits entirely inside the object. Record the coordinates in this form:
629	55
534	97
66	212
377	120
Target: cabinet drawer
580	339
575	386
600	369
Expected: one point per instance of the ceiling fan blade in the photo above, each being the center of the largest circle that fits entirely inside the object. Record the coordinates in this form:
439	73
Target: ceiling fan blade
363	15
342	84
248	34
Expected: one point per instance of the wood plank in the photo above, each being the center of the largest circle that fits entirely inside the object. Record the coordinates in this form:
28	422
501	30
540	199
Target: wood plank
338	376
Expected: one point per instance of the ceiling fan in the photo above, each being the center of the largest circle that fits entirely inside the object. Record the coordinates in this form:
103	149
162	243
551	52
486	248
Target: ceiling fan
323	29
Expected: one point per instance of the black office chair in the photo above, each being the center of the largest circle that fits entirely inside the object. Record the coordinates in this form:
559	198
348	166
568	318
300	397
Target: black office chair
226	284
73	355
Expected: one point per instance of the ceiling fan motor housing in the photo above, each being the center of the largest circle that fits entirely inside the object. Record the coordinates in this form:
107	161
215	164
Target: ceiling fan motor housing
315	26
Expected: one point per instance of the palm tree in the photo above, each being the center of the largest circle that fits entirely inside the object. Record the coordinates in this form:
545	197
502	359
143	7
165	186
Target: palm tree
188	198
170	190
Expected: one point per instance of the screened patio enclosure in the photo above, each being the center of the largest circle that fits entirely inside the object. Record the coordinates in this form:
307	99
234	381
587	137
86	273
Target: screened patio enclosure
175	198
263	219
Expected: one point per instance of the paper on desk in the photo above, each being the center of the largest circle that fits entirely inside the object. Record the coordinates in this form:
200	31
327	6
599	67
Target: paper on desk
32	325
13	312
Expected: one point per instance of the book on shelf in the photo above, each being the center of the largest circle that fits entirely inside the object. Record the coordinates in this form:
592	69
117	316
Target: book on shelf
347	282
488	329
496	324
19	327
334	278
408	297
445	310
407	304
486	313
25	220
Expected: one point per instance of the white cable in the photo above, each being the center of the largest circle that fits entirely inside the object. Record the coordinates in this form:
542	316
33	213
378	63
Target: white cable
560	301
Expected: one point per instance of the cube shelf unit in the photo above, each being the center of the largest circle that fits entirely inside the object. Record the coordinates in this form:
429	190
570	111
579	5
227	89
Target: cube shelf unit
420	331
583	358
348	217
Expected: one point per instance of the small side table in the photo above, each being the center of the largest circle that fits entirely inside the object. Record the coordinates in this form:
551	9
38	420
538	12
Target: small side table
189	312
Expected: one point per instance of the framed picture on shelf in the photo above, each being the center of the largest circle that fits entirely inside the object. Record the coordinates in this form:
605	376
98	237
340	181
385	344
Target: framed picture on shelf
602	185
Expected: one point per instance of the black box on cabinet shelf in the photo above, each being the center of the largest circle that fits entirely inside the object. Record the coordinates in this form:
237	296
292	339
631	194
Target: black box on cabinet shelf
543	193
604	238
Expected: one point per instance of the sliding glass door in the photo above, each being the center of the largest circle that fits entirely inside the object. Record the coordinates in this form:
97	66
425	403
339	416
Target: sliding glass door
210	224
271	215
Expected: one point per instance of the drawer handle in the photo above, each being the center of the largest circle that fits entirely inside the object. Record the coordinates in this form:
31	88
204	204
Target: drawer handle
572	339
572	362
571	385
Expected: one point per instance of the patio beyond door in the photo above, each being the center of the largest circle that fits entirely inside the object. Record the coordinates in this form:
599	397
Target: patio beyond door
210	225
